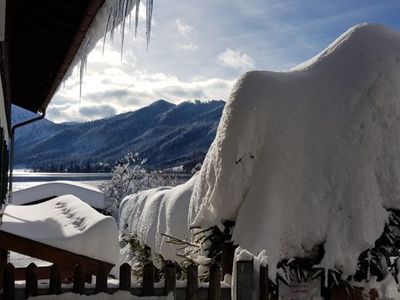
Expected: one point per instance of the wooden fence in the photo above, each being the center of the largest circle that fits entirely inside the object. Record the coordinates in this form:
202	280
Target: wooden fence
80	284
191	290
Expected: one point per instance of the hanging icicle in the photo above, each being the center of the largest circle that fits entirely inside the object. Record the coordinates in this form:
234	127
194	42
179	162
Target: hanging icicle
112	14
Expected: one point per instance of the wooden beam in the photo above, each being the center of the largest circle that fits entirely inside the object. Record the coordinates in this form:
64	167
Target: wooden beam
65	259
43	273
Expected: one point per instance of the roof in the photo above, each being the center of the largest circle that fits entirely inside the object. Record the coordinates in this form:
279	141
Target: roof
42	38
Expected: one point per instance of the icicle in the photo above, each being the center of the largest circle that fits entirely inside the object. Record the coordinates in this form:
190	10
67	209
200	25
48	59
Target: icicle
82	69
326	272
369	265
137	16
149	15
112	13
127	6
105	31
334	277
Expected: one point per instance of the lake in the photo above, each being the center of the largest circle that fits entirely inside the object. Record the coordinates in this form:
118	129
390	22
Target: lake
23	179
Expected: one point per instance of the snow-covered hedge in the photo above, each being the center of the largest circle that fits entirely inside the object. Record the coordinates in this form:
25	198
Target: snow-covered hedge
150	214
310	156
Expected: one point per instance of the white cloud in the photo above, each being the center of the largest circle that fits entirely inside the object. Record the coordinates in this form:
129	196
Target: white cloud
183	29
236	60
118	89
188	47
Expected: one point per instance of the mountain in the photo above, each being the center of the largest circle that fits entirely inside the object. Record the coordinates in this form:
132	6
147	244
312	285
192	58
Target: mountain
165	134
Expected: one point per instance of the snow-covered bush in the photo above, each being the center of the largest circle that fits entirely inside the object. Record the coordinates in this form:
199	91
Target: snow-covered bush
153	215
310	157
128	177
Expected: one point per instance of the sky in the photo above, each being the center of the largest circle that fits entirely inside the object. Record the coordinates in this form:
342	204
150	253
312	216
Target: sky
198	49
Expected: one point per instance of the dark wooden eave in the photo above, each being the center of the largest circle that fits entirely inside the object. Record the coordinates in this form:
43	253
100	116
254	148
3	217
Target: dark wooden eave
42	38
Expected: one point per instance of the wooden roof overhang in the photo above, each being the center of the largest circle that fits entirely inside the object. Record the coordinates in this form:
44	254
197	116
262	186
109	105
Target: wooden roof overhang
41	40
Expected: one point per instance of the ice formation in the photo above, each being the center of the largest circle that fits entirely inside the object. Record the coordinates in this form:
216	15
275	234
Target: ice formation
310	156
68	223
112	14
150	214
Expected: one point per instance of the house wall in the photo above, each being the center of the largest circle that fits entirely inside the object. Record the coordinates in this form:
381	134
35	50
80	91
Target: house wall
4	147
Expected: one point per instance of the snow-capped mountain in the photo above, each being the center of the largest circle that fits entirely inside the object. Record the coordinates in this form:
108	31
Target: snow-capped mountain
164	133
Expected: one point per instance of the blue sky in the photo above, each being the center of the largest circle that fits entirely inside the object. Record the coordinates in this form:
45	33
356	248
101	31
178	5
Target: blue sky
198	49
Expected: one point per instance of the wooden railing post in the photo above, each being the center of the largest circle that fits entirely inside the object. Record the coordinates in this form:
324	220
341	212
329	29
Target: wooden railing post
101	279
55	279
3	263
125	277
9	283
214	290
192	285
79	280
170	278
264	283
148	279
31	283
228	253
244	280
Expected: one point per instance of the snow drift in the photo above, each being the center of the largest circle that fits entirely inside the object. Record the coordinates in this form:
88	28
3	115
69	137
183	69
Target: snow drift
91	195
68	223
311	155
151	213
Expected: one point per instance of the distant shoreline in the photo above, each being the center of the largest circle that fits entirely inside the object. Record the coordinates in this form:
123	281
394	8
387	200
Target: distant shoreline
52	176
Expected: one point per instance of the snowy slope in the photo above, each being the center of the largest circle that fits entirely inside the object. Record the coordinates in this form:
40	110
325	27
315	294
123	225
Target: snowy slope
310	156
67	223
151	213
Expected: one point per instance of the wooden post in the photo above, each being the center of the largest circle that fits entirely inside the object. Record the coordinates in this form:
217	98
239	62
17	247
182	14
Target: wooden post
55	279
31	284
228	253
9	283
3	263
264	283
192	285
101	279
125	277
79	280
148	279
3	257
214	290
170	278
244	280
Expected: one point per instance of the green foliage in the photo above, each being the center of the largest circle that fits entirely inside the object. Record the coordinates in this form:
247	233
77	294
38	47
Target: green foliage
384	258
142	256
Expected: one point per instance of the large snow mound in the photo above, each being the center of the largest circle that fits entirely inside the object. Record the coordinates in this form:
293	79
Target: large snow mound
150	214
310	156
68	223
91	195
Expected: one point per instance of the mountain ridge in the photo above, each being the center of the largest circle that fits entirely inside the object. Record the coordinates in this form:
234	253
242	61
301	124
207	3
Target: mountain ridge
164	133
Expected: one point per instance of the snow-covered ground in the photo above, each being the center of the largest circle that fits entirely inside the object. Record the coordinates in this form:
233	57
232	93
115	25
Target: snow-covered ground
310	156
22	261
120	295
